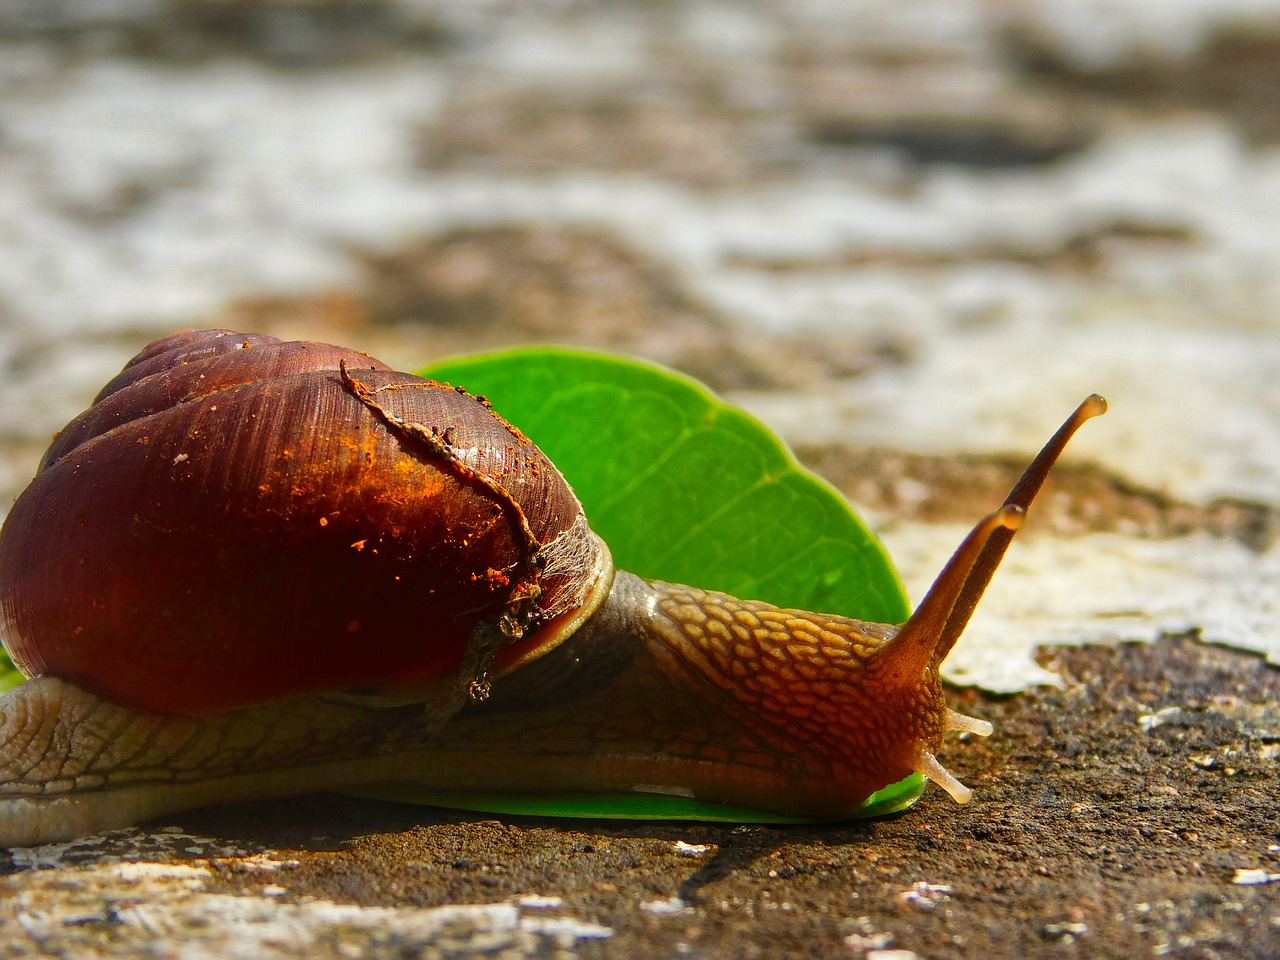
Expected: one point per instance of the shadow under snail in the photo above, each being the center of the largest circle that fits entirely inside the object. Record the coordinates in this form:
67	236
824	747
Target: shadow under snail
255	568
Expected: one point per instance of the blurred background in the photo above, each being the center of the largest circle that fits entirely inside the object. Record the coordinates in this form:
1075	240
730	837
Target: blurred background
909	234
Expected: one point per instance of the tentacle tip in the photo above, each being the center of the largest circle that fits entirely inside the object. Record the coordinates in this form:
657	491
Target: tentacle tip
966	724
1095	405
1011	516
927	766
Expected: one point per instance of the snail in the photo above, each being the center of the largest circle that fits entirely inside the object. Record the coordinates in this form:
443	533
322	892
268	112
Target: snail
255	568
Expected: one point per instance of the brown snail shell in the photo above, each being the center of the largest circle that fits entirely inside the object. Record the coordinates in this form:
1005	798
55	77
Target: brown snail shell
307	547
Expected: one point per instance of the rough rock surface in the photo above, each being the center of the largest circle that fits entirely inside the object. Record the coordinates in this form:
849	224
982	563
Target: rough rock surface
910	236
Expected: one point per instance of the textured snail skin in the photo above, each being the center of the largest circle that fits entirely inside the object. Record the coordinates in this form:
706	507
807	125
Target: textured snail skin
531	666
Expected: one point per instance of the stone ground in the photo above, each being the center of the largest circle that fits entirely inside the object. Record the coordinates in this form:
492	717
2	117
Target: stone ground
910	236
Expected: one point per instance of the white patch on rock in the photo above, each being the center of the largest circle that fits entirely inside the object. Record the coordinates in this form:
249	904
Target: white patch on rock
1254	876
1093	589
538	901
124	847
163	909
683	849
1101	34
665	908
925	896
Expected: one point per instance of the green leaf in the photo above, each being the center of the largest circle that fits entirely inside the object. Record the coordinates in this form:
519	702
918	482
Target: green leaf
686	488
9	675
683	486
626	806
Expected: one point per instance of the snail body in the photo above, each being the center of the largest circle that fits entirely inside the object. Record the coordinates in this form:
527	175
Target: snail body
257	567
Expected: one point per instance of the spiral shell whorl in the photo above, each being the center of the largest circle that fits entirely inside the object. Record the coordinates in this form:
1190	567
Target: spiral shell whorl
233	523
